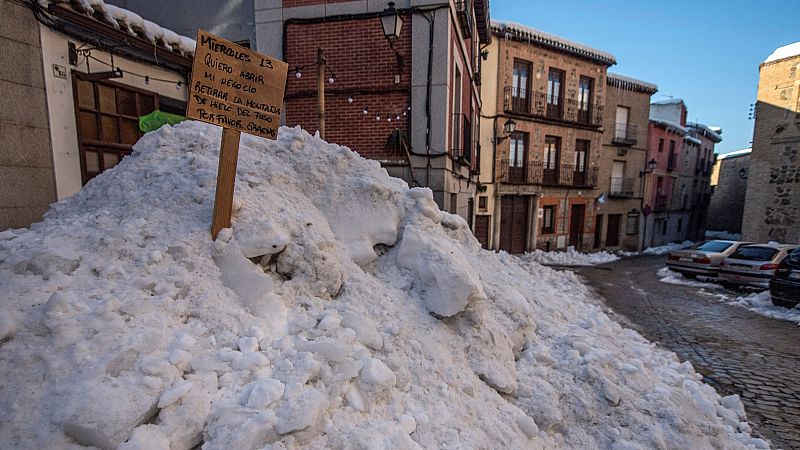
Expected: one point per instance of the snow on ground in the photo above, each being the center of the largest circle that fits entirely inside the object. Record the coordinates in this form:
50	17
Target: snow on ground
662	249
724	235
760	303
341	310
569	258
665	275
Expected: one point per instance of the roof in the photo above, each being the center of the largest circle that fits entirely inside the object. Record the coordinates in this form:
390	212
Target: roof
630	84
522	33
670	126
130	23
734	154
709	132
669	101
692	139
787	51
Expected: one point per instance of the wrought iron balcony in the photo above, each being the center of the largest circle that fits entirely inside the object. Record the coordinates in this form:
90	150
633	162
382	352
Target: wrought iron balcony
624	134
661	203
672	161
464	14
536	173
621	187
462	143
541	105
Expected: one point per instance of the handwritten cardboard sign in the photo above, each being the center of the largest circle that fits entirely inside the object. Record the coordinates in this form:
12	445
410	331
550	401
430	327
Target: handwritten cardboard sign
235	87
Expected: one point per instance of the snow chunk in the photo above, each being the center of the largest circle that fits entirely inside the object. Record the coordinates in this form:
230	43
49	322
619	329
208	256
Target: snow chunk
787	51
450	281
175	393
302	412
376	376
264	393
569	258
528	426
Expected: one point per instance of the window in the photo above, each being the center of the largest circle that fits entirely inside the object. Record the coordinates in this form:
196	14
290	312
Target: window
581	154
456	137
521	85
714	246
453	203
555	93
108	122
552	149
585	87
482	203
663	227
549	219
517	151
621	128
680	225
661	146
755	253
632	224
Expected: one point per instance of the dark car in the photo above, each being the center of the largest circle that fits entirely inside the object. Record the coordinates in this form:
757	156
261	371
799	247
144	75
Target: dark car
784	287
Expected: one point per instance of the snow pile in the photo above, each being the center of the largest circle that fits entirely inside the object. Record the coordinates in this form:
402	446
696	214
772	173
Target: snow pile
569	258
342	310
787	51
760	303
662	249
665	275
724	235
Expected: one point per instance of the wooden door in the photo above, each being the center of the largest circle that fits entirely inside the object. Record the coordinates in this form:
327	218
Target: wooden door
513	223
482	230
576	226
598	230
612	233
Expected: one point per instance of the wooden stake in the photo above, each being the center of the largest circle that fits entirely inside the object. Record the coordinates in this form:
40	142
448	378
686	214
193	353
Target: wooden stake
226	177
321	91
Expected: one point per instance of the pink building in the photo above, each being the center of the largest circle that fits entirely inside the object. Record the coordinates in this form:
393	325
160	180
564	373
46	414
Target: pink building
666	134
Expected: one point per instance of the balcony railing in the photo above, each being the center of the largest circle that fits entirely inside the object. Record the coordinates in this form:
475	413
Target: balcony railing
541	105
536	173
464	13
462	144
624	134
621	187
661	203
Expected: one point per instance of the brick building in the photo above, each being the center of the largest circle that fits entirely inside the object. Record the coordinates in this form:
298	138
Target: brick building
772	205
622	162
411	103
729	185
539	183
698	168
65	115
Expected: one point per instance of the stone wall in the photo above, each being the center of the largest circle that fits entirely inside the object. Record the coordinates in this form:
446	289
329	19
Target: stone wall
727	202
772	205
27	183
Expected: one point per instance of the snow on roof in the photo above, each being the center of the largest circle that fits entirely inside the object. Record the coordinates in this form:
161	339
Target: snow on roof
123	322
132	23
632	84
670	126
734	154
669	101
787	51
534	36
712	133
692	139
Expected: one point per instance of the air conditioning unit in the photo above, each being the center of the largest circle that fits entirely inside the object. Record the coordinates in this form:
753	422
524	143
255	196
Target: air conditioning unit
622	151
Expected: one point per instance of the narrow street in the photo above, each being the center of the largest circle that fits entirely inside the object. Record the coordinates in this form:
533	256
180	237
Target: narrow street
737	351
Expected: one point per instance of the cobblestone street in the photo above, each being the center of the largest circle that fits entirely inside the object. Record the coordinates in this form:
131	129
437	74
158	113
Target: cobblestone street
738	352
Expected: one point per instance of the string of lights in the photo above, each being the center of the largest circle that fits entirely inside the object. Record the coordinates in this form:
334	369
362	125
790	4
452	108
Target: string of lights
147	78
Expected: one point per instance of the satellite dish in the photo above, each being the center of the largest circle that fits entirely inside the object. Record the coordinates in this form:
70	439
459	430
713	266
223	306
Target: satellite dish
602	198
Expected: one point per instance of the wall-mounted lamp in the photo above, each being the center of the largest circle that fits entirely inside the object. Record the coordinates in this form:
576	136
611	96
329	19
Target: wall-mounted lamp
508	128
743	173
392	23
652	165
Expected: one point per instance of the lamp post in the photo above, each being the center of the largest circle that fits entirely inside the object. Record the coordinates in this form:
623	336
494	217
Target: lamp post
392	23
651	166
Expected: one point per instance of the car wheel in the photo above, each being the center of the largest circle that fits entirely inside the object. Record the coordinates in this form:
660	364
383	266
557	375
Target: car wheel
689	276
782	303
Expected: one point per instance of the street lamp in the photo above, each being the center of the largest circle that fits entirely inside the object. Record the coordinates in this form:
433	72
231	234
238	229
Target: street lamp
652	165
391	22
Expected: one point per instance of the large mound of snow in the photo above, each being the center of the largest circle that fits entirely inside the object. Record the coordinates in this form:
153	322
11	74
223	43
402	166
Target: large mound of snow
341	310
787	51
571	258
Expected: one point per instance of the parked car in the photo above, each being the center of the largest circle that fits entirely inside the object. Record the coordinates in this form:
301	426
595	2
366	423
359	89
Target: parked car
752	265
703	258
784	287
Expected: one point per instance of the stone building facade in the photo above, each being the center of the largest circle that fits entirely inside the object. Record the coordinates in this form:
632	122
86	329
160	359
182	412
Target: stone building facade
772	204
538	185
622	163
729	183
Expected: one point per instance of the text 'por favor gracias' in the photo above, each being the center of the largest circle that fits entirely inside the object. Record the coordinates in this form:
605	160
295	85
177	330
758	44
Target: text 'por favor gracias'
235	87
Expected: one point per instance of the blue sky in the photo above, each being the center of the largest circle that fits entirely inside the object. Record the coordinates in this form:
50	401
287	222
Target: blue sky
706	52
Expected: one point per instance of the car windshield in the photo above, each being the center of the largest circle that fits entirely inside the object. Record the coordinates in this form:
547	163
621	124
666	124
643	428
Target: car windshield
755	253
714	246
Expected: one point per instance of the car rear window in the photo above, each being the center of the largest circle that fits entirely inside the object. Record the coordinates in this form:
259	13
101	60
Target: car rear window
714	246
755	253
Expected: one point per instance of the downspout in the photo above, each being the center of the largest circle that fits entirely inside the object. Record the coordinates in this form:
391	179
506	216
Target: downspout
428	166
